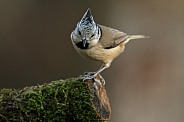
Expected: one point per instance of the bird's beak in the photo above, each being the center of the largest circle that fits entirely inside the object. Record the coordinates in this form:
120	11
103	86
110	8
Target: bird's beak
84	42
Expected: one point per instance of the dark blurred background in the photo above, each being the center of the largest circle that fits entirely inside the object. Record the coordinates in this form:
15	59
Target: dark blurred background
144	84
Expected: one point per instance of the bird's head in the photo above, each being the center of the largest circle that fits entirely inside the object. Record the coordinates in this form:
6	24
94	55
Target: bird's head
87	32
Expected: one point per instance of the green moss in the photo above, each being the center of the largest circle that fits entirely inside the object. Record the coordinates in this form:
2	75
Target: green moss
58	101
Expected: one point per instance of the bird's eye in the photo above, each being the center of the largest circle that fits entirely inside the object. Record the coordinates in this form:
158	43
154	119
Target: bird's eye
79	33
92	35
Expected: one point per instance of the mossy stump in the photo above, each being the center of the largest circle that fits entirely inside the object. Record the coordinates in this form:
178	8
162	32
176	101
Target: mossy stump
70	100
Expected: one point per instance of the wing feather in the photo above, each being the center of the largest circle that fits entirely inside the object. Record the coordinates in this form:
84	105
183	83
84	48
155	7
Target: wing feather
111	37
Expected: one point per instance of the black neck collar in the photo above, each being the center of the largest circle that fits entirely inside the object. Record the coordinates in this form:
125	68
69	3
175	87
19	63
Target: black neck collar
80	45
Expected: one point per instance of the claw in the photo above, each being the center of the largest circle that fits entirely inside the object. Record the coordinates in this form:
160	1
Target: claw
99	80
102	79
85	73
88	73
88	77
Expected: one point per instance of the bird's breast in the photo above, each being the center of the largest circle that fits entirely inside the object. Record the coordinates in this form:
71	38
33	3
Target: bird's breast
100	54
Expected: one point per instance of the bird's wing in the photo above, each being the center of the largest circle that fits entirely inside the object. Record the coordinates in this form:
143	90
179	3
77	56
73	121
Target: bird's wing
111	37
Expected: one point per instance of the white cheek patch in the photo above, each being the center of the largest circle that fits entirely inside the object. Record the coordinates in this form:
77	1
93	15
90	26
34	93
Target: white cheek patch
71	36
74	38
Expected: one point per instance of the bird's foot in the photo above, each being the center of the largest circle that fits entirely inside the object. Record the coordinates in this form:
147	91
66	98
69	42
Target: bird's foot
93	76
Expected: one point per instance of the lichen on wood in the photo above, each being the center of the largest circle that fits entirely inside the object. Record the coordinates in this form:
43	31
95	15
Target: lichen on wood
67	100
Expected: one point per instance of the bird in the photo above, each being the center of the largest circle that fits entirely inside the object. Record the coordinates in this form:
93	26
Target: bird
98	42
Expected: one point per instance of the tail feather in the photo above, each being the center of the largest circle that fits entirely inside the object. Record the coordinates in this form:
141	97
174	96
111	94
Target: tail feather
131	37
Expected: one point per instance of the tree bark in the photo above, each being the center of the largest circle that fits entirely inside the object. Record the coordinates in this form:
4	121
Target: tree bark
75	99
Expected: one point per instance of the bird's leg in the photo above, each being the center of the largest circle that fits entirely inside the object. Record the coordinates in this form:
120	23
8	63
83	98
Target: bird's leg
93	75
90	75
103	67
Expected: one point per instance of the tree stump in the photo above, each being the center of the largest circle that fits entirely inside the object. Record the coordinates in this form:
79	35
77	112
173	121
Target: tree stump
70	100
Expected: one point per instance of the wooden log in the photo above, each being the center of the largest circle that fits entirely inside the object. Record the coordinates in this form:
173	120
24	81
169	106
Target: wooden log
70	100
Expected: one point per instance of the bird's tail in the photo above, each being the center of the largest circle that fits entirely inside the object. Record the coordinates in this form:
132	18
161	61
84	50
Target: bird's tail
130	37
